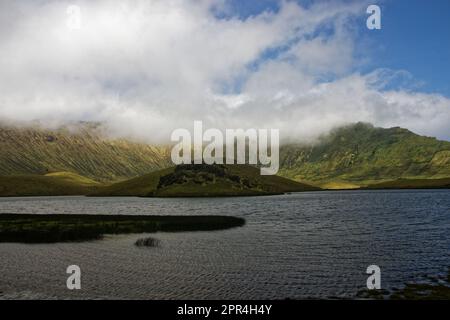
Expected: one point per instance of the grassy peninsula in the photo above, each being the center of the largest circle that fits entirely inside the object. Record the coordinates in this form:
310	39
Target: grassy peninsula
33	228
203	180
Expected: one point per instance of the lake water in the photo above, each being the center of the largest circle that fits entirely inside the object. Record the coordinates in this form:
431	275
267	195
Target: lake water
303	245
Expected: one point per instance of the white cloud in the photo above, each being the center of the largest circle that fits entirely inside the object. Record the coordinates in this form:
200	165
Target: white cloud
147	67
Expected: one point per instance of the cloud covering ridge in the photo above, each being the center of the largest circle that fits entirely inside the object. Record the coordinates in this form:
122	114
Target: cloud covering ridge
145	68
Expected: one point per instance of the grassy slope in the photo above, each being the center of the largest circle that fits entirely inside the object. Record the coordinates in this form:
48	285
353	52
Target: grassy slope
56	184
412	184
147	185
32	228
362	154
140	186
71	177
339	185
271	183
83	151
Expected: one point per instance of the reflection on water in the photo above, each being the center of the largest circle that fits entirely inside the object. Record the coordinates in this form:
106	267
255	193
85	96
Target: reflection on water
315	244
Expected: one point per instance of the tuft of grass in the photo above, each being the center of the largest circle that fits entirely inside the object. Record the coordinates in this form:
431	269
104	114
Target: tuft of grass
32	228
147	242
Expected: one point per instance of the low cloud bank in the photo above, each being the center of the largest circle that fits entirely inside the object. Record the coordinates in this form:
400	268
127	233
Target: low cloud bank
145	68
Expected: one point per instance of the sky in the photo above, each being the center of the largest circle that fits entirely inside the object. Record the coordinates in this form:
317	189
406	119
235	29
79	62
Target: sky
144	68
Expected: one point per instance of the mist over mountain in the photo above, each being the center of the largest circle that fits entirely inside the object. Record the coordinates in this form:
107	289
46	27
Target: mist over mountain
145	68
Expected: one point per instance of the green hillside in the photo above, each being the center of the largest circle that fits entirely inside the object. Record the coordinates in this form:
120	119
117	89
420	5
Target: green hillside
140	186
83	150
361	154
56	184
349	157
204	180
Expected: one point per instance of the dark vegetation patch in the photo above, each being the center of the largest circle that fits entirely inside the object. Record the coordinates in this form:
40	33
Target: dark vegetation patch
437	289
413	184
204	174
147	242
32	228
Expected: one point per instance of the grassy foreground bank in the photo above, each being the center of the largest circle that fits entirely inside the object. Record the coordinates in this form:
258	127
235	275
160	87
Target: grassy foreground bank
437	288
32	228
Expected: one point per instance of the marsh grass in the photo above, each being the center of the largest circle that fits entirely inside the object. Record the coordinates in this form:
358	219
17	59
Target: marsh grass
29	228
439	290
423	292
147	242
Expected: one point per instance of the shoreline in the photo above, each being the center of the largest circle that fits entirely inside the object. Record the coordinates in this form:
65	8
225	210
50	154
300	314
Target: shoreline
224	196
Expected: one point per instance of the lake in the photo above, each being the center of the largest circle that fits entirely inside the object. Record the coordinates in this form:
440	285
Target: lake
300	245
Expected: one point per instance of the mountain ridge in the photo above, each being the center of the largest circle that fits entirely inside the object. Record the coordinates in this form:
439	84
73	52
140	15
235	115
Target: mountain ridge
362	154
352	156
